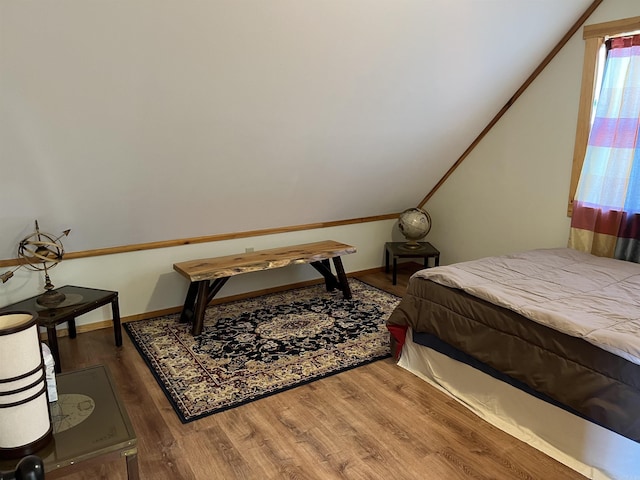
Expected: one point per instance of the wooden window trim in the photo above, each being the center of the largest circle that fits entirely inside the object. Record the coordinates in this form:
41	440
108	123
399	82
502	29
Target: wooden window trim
594	36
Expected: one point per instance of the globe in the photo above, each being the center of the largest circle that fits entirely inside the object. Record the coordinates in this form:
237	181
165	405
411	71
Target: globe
414	224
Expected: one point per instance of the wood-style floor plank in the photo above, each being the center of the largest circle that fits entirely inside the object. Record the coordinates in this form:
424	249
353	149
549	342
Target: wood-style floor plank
377	421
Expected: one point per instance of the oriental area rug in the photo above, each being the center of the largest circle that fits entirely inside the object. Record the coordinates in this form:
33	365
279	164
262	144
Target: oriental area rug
260	346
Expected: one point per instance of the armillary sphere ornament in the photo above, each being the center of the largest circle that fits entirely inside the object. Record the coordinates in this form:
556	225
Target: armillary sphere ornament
41	252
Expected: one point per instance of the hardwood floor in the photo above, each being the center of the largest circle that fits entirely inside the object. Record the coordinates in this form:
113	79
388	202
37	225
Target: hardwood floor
374	422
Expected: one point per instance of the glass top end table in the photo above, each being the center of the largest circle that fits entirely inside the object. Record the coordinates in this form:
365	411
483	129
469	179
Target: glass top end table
90	423
78	301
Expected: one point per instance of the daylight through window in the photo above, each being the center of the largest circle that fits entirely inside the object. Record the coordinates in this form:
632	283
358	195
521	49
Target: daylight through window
606	204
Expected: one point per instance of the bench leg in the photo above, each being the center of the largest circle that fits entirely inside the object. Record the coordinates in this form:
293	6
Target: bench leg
342	277
328	279
198	298
324	268
189	303
200	307
341	283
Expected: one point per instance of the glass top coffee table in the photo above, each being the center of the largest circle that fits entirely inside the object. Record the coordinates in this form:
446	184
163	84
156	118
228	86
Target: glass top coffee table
90	423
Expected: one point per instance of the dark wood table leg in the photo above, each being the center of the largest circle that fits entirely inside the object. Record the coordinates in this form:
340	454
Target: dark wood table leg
324	268
198	298
189	303
71	327
52	340
214	287
328	279
117	330
395	269
386	260
200	307
437	260
342	277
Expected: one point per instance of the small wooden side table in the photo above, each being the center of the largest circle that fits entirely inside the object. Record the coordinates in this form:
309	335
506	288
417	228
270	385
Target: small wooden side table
400	250
78	301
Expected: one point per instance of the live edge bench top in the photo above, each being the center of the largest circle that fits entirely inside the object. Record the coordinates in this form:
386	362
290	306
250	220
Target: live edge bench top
208	275
230	265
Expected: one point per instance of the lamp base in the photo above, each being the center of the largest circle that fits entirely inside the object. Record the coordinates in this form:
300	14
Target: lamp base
30	449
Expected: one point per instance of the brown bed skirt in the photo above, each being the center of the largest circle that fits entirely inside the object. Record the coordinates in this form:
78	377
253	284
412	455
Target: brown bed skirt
594	383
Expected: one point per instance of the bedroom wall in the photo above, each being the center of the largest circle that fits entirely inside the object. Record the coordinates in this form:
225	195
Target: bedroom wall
153	120
511	192
146	280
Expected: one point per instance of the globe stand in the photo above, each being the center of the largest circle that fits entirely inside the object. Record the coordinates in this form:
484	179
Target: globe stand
411	245
50	298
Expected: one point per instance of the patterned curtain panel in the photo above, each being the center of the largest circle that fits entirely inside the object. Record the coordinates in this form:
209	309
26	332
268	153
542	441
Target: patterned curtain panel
606	209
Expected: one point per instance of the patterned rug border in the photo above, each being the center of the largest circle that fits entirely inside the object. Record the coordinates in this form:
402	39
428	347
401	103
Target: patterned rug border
176	407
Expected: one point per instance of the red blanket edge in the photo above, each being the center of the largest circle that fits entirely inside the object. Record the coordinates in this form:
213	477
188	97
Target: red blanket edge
398	334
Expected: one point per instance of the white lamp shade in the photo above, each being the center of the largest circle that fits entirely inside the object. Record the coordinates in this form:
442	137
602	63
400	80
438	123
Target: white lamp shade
25	421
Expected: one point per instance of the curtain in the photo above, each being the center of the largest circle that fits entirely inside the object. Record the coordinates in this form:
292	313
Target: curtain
606	208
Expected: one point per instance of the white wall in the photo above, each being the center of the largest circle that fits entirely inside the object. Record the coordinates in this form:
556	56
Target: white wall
147	282
148	120
511	192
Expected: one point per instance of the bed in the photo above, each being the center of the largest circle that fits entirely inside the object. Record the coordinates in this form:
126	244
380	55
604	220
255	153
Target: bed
554	328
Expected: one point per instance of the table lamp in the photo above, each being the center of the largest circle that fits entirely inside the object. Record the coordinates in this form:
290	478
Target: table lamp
25	421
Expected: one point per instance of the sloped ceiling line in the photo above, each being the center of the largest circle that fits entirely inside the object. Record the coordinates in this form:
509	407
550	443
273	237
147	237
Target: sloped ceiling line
574	28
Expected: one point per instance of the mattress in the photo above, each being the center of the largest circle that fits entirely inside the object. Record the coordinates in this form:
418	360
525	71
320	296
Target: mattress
582	377
583	295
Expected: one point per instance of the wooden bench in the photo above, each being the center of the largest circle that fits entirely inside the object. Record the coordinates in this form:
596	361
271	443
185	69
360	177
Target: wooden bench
207	276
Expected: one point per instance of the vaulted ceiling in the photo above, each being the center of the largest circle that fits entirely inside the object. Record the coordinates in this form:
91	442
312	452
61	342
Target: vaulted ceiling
150	120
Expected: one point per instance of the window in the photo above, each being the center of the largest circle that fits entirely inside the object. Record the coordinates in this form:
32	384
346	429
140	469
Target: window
606	209
595	37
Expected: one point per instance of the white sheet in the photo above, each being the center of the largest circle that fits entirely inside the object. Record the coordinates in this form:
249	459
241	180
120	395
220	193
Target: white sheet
594	298
594	451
